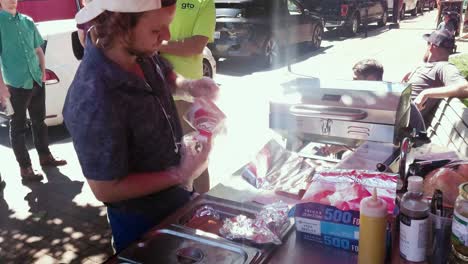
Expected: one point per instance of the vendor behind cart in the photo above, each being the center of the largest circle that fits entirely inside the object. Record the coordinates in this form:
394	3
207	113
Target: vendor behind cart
122	119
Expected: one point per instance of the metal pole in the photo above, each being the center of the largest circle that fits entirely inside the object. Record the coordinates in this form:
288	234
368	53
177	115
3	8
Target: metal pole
367	19
396	11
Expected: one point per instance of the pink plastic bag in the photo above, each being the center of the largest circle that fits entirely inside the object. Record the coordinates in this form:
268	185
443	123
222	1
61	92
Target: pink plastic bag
205	117
344	189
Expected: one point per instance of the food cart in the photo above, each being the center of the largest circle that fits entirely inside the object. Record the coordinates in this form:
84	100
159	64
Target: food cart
367	118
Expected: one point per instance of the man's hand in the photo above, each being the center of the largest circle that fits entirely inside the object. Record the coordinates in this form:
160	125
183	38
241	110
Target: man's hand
194	160
44	76
406	78
4	94
420	100
203	87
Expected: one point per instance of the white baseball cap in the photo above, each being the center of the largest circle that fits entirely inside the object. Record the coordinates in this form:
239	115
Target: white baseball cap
96	7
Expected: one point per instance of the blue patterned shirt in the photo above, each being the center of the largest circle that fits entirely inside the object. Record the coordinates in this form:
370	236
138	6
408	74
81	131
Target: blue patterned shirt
121	123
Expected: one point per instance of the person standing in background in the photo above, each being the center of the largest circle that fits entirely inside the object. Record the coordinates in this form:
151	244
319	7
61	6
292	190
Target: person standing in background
192	28
23	74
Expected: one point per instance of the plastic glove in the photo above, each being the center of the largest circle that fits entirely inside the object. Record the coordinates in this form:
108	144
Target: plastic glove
203	87
194	160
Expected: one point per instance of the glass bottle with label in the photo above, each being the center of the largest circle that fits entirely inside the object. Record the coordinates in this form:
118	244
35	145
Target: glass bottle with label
460	224
414	216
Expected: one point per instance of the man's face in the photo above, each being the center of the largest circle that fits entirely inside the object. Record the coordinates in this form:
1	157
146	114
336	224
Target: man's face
428	53
152	29
9	5
446	18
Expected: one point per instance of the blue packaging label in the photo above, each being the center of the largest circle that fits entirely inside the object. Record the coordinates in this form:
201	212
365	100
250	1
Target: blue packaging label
327	213
328	225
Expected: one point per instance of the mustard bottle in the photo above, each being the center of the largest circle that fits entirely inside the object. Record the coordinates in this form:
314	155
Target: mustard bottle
372	227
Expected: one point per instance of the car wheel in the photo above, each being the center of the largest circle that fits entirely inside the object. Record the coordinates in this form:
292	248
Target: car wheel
317	33
383	20
414	12
271	52
207	69
354	26
420	8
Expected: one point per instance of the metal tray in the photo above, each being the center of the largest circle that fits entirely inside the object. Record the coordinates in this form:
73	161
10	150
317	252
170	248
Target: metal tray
226	209
176	244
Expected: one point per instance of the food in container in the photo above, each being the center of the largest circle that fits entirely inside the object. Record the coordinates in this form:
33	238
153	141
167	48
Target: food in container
460	224
207	219
265	228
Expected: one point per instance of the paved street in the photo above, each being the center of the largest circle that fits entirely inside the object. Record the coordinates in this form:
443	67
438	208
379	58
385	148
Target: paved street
59	220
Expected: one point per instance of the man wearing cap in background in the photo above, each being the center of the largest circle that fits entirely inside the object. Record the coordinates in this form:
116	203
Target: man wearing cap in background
436	78
192	28
122	118
450	22
22	75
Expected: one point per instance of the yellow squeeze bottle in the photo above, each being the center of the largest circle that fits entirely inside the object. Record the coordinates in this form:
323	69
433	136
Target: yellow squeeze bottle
373	223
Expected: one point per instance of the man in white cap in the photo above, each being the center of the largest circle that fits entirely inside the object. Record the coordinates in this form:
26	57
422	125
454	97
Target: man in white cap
122	119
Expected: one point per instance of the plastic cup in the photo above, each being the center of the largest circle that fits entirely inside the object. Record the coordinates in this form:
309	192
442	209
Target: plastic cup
439	244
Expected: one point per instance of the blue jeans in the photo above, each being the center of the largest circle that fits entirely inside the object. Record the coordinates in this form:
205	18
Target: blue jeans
130	219
126	227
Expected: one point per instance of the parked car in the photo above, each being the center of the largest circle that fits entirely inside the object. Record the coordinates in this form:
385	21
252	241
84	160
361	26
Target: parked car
429	4
263	27
411	6
61	65
209	63
55	9
349	14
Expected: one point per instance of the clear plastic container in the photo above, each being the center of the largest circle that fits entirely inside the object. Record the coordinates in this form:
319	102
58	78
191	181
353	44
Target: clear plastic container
460	224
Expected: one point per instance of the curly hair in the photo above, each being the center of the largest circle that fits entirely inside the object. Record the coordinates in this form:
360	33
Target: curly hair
109	25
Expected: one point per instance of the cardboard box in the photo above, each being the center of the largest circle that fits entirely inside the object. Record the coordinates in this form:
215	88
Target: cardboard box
329	211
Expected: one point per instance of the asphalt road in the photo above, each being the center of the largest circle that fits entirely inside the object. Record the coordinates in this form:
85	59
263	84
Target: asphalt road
245	90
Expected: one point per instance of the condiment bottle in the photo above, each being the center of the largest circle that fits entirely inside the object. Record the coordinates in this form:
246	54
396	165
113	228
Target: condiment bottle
460	224
373	223
414	216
